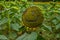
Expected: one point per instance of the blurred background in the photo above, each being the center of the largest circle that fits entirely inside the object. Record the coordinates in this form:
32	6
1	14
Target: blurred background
12	28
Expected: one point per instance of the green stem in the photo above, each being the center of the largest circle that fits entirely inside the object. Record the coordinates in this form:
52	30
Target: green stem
9	22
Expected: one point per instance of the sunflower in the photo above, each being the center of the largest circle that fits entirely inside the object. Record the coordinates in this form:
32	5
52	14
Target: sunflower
32	17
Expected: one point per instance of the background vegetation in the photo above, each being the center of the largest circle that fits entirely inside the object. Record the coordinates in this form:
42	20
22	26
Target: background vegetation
12	28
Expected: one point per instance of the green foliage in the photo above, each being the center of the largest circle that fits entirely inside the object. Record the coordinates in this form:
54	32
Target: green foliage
12	28
2	37
26	36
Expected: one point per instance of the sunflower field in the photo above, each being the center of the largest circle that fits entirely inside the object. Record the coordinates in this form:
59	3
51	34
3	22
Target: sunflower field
12	27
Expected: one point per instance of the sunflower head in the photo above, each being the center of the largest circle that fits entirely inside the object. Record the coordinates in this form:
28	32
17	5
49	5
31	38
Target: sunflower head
32	17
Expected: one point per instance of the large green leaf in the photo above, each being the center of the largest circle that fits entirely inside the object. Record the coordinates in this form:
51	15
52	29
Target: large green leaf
32	36
15	26
3	37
